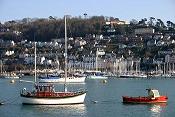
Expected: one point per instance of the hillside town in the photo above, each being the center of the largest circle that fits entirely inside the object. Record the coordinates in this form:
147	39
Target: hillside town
147	47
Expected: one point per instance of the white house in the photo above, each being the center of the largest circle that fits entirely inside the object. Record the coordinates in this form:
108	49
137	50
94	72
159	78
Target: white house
29	60
9	53
160	43
144	31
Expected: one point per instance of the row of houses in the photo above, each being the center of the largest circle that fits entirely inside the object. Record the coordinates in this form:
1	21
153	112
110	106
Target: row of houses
85	57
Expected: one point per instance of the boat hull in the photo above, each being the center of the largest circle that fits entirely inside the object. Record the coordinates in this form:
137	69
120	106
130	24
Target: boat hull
9	77
133	76
145	100
78	99
62	80
96	77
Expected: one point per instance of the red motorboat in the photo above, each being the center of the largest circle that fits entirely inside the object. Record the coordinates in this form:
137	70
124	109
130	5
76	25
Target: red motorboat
153	97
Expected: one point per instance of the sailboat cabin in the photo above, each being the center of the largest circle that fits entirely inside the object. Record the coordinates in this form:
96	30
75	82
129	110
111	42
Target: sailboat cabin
44	88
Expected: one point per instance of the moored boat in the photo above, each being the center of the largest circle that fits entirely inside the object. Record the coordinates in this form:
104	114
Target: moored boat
95	75
46	94
9	76
54	78
133	76
153	97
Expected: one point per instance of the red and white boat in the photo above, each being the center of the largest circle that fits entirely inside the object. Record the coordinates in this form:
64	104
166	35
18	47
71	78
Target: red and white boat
153	97
46	94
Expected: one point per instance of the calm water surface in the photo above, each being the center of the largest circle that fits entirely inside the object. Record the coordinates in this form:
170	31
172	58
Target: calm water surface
107	98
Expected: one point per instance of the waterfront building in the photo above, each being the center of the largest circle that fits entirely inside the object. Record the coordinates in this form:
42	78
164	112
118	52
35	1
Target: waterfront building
146	30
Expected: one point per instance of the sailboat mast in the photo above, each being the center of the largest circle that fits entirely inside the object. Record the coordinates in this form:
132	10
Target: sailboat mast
1	65
96	61
65	87
35	61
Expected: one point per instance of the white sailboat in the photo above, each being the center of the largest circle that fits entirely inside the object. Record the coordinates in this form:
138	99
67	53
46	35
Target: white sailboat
133	76
51	78
95	75
60	78
46	94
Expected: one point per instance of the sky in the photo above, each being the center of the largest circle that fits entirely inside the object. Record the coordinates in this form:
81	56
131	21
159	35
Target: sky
122	9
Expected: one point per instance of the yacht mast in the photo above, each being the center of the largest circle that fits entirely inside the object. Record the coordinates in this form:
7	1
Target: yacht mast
1	66
96	61
35	62
65	87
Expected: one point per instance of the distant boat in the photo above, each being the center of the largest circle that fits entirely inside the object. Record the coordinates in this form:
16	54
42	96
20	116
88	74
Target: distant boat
1	103
46	94
167	76
4	74
153	97
133	76
56	78
95	75
9	75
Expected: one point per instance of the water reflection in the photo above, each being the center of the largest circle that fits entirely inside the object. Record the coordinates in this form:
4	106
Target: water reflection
55	110
157	109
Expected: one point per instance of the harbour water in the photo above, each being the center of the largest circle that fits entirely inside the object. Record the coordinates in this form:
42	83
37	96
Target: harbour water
102	99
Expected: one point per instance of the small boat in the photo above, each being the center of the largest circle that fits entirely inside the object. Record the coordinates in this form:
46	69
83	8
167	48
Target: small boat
9	76
133	76
153	97
55	78
95	75
46	94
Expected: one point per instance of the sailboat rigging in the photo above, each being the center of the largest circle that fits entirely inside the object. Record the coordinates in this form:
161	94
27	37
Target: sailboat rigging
65	36
57	78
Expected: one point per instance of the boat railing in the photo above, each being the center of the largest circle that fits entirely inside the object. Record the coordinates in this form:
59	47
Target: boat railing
23	91
81	91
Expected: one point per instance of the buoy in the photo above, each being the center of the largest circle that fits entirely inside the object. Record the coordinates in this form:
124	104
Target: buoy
1	103
12	81
94	102
104	81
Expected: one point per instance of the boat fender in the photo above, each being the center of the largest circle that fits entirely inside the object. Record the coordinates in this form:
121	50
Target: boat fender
104	81
12	81
23	91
